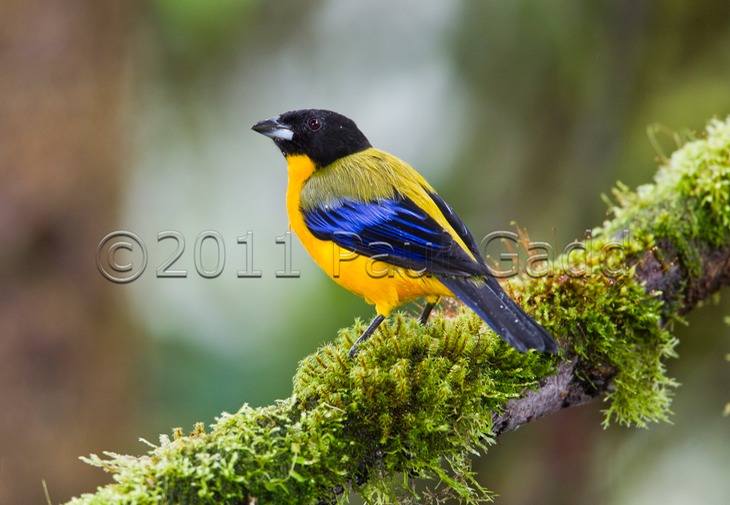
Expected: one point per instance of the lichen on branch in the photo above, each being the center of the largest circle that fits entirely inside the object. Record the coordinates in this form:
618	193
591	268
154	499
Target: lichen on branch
418	402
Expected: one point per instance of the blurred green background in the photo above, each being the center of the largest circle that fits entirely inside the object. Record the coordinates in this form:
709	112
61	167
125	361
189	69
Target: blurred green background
136	116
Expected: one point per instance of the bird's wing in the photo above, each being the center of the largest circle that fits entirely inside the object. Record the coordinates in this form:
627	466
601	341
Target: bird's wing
459	227
396	230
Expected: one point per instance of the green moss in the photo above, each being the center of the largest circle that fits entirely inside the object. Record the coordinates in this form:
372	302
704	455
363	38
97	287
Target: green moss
688	204
613	326
418	396
686	210
417	402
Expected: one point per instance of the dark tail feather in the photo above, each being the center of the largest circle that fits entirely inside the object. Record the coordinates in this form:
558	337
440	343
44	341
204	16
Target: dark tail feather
487	298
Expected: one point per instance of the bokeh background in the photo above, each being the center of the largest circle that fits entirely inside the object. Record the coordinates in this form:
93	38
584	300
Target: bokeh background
129	115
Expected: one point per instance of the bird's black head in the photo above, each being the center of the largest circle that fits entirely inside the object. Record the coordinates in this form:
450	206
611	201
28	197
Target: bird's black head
323	135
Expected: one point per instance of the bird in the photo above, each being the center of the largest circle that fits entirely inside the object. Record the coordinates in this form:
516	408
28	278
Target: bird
380	230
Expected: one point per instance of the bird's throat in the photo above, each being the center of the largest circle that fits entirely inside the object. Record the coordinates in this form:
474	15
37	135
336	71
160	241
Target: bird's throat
300	167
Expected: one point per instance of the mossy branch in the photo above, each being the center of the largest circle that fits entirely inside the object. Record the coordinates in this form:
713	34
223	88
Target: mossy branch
418	401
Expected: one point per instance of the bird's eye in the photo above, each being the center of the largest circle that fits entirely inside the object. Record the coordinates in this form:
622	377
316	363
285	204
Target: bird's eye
314	124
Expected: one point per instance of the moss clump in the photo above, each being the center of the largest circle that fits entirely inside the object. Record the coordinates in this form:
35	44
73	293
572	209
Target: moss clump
613	326
687	206
416	397
686	212
418	401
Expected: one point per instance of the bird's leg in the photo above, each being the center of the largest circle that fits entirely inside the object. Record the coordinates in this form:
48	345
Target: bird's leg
366	334
427	310
423	319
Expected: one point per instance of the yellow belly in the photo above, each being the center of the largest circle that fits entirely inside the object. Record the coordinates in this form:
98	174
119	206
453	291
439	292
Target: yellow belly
386	286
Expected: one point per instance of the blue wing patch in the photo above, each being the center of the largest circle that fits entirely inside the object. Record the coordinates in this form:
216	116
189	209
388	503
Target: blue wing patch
396	230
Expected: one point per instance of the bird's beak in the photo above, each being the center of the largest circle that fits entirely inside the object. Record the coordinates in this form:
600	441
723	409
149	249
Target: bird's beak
274	129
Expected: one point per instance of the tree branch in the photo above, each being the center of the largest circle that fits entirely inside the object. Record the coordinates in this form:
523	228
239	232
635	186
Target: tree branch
417	401
672	282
